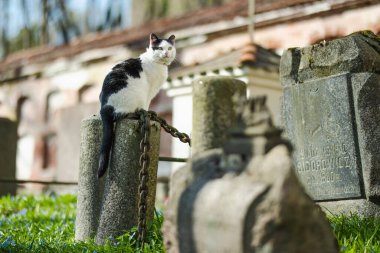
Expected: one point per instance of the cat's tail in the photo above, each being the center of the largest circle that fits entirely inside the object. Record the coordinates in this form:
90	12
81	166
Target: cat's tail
107	140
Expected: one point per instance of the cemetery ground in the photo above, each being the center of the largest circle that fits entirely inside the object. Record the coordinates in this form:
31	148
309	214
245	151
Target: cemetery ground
46	224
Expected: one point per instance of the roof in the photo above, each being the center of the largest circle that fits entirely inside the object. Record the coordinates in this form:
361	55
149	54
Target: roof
262	58
229	64
135	37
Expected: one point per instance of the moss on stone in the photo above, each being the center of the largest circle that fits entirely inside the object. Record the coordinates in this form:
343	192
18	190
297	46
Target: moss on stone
213	114
369	34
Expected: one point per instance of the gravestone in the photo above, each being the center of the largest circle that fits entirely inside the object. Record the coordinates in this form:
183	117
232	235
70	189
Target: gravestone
331	113
8	149
228	201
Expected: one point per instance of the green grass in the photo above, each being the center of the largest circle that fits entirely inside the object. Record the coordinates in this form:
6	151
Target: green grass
46	224
356	234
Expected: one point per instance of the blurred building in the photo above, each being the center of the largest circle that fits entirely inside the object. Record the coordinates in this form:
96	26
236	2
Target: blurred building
49	90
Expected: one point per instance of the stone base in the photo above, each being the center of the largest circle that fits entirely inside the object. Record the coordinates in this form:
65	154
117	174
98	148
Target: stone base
360	206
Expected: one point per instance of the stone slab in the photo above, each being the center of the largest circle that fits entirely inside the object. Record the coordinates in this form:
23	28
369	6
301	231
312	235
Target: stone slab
366	96
331	110
362	207
321	126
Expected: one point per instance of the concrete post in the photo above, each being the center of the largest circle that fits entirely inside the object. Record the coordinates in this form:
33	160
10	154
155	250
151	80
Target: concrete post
120	204
8	147
213	110
107	207
90	189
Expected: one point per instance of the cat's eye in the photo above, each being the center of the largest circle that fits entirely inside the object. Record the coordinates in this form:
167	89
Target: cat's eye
157	48
170	48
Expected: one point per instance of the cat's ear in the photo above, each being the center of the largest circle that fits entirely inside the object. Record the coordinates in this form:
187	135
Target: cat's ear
171	39
153	38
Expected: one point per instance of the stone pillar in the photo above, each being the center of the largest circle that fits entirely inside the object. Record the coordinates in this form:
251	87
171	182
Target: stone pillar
331	111
213	111
108	207
120	204
90	188
8	147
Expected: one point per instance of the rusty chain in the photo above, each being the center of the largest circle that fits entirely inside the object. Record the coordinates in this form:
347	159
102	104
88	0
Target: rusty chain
144	118
143	175
170	129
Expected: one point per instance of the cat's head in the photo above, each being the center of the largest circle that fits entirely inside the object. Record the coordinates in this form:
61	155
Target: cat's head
162	50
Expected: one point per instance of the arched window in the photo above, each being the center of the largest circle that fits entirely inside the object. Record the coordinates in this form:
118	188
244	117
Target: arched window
20	103
49	151
88	93
54	101
25	113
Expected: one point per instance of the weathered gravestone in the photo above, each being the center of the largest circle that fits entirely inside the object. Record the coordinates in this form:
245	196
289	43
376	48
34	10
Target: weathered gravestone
331	112
107	207
244	197
8	150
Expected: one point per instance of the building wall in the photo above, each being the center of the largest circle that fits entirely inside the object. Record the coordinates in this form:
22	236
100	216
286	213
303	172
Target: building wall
147	10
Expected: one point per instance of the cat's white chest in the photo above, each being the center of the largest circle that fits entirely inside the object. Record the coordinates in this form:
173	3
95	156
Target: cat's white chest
156	75
141	90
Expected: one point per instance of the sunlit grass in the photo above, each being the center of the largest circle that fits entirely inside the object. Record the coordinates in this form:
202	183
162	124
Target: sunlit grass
46	224
356	234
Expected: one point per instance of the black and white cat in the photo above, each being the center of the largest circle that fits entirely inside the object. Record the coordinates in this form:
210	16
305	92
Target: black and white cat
131	85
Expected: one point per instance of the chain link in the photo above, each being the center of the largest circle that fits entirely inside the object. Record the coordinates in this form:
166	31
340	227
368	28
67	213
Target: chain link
144	118
143	175
170	129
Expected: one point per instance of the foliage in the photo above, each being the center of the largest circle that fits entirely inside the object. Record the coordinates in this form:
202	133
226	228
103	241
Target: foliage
59	21
55	21
46	224
356	234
